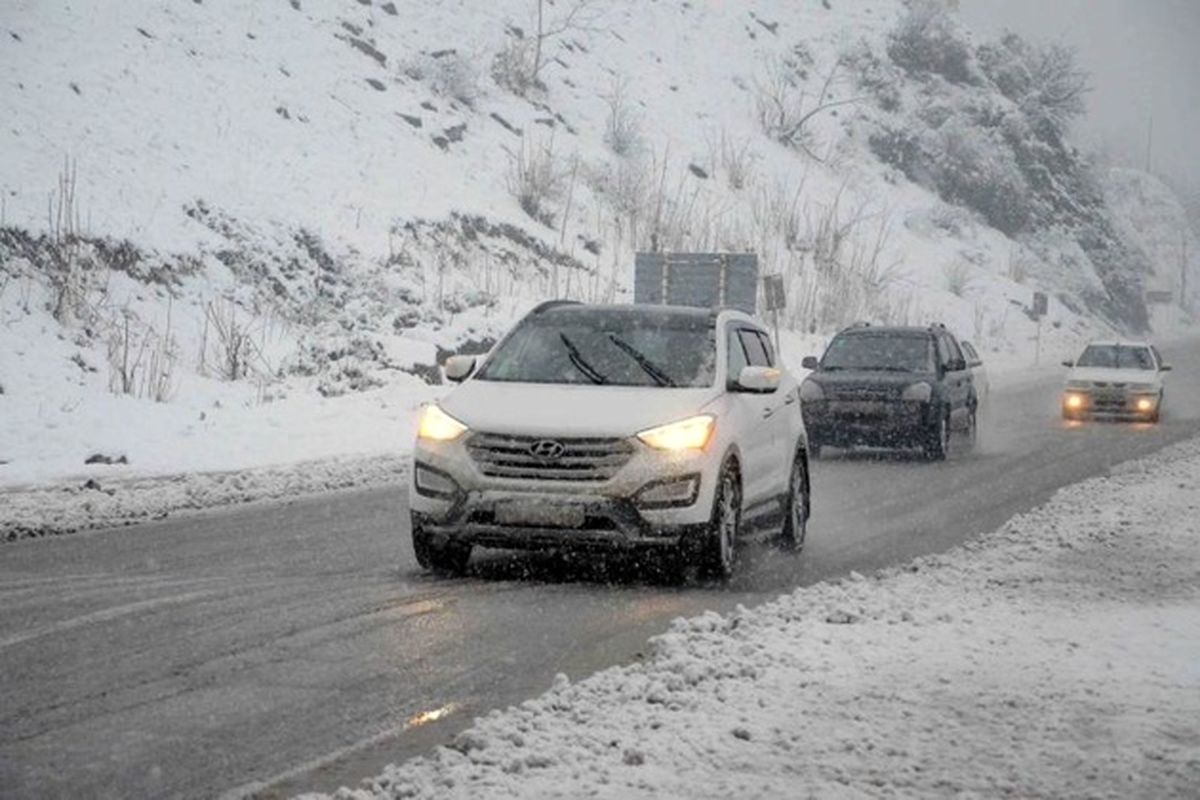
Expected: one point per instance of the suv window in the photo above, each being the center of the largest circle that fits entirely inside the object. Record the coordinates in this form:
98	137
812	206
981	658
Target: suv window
956	356
973	359
879	350
755	350
737	355
584	346
943	349
766	343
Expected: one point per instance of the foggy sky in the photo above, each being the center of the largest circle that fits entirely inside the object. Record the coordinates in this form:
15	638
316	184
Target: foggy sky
1144	56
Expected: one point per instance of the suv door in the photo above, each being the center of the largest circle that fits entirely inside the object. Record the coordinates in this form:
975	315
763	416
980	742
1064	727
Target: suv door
784	421
753	414
956	381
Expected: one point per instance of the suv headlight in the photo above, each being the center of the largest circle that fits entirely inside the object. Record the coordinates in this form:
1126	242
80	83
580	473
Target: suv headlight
811	390
692	433
438	426
917	393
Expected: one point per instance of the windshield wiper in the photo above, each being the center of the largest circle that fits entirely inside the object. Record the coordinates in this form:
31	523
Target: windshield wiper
578	361
649	367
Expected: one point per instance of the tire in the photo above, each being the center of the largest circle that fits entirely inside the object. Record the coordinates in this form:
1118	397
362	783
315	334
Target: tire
719	548
450	560
973	427
937	438
795	520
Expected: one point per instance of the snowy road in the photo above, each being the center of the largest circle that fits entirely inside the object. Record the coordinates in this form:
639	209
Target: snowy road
299	645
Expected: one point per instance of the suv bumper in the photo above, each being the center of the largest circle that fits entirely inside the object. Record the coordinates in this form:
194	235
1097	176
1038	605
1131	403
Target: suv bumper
880	423
469	508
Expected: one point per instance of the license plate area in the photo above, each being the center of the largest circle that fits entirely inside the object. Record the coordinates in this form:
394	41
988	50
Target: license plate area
539	514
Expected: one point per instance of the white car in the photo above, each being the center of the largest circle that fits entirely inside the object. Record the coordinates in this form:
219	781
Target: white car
1115	379
614	427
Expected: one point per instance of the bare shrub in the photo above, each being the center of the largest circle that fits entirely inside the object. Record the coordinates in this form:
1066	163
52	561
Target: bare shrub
1018	265
737	161
927	40
784	109
536	180
1046	81
65	273
518	65
141	360
512	66
623	125
958	278
227	347
848	279
448	73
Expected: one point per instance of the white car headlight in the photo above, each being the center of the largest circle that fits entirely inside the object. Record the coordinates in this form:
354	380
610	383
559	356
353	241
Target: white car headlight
1141	387
692	433
917	392
811	390
438	426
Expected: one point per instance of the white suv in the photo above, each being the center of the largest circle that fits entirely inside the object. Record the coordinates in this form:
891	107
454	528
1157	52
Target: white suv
613	427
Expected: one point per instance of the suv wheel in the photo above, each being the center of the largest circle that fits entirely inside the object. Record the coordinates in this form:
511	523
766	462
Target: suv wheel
937	440
720	544
795	522
444	560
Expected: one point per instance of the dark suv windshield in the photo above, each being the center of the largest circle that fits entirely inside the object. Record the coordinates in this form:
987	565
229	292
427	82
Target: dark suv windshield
1116	356
886	352
597	347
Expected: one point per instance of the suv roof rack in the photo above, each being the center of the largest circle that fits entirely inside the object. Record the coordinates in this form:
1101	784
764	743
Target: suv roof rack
549	304
937	326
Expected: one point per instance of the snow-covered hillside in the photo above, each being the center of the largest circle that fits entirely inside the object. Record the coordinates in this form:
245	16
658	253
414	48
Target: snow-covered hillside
262	210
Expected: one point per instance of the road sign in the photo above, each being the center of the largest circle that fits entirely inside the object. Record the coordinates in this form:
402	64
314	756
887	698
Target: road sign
705	280
1040	304
773	294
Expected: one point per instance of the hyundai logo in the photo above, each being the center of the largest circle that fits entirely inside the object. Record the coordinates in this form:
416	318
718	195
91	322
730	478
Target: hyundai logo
547	449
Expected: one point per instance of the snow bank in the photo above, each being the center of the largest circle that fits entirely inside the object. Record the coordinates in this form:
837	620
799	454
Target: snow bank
1056	657
102	503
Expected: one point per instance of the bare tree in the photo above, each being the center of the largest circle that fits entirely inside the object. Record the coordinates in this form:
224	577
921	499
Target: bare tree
784	110
518	66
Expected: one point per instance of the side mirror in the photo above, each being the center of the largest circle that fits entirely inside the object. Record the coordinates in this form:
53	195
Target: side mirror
810	362
1068	363
758	380
958	366
1165	368
459	368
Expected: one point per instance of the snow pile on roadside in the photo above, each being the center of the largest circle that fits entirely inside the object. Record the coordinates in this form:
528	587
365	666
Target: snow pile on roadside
1056	657
99	503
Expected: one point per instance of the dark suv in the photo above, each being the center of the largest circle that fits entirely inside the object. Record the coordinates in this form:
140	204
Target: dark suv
889	387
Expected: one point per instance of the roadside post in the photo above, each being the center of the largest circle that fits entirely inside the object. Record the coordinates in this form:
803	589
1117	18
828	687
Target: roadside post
1040	306
774	299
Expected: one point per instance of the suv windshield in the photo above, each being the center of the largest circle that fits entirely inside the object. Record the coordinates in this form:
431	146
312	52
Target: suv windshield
599	347
1116	356
886	352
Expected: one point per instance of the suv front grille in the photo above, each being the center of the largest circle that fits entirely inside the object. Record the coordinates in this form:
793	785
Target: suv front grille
577	459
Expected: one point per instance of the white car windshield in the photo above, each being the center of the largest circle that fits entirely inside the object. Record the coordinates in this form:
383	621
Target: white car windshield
592	346
1116	356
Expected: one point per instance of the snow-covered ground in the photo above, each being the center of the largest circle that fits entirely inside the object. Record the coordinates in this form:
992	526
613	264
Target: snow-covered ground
1056	657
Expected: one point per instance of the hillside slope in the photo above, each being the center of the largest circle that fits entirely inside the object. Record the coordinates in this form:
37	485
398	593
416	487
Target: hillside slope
268	206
